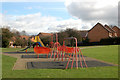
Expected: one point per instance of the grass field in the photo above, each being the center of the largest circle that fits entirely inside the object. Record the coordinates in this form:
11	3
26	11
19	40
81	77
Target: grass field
14	49
106	53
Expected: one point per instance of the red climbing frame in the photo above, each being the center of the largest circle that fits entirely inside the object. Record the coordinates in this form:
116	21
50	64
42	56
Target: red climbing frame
75	51
57	50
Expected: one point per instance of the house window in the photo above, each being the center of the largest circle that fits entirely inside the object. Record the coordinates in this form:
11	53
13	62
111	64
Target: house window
115	34
110	34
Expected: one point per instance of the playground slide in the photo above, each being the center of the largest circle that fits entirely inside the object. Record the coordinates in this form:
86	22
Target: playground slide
25	48
37	39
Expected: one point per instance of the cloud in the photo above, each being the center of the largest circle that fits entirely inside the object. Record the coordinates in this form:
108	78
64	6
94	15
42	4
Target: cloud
94	11
35	23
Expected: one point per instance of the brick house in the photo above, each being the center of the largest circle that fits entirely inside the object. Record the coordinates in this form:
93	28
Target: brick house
114	33
99	32
84	34
117	30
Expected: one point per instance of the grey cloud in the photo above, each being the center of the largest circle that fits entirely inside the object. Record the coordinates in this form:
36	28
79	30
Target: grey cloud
87	12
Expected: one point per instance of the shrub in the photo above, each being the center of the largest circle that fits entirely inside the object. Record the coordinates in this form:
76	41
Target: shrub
110	41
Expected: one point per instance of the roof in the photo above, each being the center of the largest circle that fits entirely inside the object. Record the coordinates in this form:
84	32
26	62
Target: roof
83	33
45	34
109	28
116	27
106	28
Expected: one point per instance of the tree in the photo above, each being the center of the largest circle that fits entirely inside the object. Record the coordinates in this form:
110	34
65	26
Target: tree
69	33
46	39
61	36
6	36
20	42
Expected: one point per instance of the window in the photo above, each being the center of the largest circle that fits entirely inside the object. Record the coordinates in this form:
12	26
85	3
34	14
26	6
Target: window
110	34
115	34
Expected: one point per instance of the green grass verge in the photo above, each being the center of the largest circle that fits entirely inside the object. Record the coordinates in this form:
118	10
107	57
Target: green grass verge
105	53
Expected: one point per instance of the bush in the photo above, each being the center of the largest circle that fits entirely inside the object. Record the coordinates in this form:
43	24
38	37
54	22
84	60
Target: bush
110	41
106	41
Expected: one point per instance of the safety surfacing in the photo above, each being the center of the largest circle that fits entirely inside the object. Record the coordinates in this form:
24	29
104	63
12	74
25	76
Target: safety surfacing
62	64
40	56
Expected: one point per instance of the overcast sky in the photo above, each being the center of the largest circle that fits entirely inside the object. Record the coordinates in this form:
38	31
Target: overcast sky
54	15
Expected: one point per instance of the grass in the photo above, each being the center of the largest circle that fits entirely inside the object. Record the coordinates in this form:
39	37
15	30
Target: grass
105	53
93	72
15	49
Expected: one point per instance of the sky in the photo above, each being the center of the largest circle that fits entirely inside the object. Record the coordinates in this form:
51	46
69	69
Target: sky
36	16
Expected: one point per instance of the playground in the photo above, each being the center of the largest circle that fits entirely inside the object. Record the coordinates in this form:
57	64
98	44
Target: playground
31	61
63	58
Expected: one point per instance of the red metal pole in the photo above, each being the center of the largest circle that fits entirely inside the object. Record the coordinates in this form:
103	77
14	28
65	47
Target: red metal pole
54	55
51	53
57	45
38	56
68	61
80	60
83	57
73	59
76	54
62	55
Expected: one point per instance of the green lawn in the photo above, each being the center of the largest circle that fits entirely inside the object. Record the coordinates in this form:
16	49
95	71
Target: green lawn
105	53
95	72
15	49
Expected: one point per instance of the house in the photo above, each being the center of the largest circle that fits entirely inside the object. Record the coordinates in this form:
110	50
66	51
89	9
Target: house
84	34
99	32
114	34
117	30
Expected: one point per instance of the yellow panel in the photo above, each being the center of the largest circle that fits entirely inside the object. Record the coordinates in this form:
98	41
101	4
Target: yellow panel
37	39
